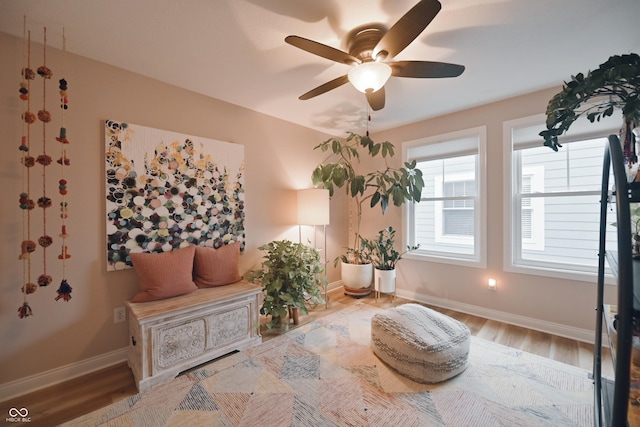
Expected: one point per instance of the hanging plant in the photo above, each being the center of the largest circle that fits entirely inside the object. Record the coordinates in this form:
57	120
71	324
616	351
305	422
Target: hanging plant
615	84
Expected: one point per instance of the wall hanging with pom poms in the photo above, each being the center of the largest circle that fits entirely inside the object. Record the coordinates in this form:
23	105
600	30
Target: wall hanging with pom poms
44	159
64	291
26	203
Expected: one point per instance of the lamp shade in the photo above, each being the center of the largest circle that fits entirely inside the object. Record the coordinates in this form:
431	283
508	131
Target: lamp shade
313	206
369	76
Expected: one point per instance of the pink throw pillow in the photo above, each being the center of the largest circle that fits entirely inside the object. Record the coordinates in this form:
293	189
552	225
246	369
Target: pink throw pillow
216	267
165	274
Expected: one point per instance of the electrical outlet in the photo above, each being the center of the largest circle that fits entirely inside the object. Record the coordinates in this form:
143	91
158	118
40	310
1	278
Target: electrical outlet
119	315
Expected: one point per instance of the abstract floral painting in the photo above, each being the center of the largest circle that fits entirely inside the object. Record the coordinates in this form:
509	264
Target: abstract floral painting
167	190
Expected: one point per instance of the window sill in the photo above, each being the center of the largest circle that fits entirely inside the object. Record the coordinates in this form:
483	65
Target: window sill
558	273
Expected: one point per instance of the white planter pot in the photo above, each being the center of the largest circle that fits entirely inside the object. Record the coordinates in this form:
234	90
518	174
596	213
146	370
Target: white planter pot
384	281
356	278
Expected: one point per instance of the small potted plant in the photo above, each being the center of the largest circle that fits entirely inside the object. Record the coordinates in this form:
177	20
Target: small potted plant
384	257
290	276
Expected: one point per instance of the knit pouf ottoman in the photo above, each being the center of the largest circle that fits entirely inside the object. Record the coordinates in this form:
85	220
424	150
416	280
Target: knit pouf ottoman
420	343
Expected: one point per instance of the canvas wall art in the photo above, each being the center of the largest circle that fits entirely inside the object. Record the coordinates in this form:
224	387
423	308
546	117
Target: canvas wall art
166	190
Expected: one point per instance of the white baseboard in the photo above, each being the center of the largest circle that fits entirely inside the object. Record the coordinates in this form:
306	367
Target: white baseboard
570	332
334	285
58	375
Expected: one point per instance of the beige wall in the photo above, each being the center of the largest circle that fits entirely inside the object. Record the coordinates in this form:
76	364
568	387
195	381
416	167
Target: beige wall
535	301
279	158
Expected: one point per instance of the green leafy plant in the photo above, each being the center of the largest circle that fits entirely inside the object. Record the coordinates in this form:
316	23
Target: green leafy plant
614	84
382	251
389	185
290	276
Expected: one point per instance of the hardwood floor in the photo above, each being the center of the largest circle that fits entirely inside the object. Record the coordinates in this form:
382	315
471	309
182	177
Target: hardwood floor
71	399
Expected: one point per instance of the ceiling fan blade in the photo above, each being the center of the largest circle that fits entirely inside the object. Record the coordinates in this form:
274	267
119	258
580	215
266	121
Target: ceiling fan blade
406	29
376	99
325	87
425	69
322	50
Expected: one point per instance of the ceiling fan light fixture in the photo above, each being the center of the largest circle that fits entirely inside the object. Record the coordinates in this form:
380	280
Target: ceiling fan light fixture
369	76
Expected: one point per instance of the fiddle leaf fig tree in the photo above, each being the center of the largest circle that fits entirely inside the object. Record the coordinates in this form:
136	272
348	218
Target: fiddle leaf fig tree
379	187
614	84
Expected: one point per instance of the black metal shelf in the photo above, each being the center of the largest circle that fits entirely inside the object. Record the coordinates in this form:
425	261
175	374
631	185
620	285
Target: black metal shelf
611	397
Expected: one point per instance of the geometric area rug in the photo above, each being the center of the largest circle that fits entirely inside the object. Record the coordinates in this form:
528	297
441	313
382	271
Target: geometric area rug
325	374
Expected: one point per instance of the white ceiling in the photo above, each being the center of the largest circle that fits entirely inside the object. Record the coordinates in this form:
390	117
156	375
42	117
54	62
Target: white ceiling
234	50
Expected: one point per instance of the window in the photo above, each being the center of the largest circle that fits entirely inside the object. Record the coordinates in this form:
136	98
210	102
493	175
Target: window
552	198
448	223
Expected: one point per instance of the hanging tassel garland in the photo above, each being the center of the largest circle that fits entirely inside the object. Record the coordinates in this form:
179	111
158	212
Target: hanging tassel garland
26	202
44	159
64	292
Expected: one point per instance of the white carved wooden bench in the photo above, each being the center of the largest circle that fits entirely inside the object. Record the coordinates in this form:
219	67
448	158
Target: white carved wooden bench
172	335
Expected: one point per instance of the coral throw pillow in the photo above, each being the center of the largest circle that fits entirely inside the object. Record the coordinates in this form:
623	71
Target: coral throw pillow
216	267
164	275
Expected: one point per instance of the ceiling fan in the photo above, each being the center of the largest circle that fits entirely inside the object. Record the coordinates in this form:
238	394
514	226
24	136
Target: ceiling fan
370	46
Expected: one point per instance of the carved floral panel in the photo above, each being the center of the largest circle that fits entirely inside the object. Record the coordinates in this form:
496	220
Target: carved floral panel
228	326
176	343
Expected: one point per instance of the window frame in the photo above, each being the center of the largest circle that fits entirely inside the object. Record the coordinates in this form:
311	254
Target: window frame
512	259
479	258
